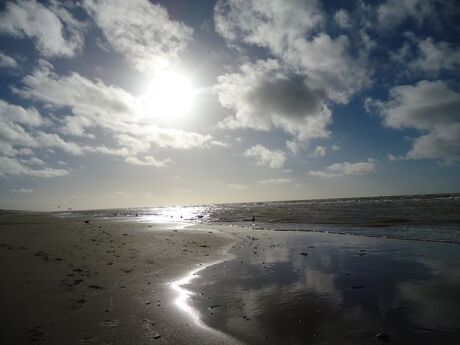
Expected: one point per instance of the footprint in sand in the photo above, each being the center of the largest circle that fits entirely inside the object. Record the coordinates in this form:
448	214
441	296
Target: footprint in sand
150	333
110	323
88	340
78	304
133	253
36	334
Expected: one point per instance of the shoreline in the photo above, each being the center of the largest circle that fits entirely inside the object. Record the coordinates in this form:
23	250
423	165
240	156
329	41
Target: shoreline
185	295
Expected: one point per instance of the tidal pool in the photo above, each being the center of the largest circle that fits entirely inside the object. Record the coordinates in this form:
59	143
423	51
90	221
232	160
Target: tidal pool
314	288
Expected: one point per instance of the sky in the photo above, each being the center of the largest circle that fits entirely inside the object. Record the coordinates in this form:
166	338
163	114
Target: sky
113	103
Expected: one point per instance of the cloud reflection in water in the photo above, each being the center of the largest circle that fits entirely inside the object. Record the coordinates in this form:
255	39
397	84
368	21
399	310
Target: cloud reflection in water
345	291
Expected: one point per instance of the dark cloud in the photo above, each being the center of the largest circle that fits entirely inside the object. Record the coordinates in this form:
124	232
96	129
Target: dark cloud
290	96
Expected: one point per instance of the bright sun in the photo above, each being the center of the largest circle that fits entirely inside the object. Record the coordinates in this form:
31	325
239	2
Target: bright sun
169	95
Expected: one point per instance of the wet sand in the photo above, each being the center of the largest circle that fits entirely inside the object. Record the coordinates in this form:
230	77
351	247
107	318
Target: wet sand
316	288
65	281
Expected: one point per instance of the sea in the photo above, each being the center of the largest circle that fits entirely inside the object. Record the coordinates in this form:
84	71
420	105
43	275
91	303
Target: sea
433	217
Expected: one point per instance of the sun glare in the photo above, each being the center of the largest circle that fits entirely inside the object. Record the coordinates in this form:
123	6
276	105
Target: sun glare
169	95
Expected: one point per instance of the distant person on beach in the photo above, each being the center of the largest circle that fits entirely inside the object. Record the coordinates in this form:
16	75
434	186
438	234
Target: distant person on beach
253	221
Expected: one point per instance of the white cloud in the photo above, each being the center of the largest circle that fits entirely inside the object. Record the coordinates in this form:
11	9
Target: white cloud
391	13
430	107
342	18
18	114
320	151
392	157
7	61
20	130
274	181
307	71
440	143
337	170
219	143
95	104
264	96
54	140
322	174
359	168
434	57
290	30
11	166
402	55
8	149
95	101
55	31
269	24
426	56
121	152
12	134
32	161
178	139
328	65
147	161
295	146
22	190
237	186
264	156
142	31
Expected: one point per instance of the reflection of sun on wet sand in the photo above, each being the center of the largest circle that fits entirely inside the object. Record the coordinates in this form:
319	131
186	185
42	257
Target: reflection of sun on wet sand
65	281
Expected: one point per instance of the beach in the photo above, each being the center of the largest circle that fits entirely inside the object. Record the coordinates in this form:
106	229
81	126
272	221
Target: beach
81	280
65	281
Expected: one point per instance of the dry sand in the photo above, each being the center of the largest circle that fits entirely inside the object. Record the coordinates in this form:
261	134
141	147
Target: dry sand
65	281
